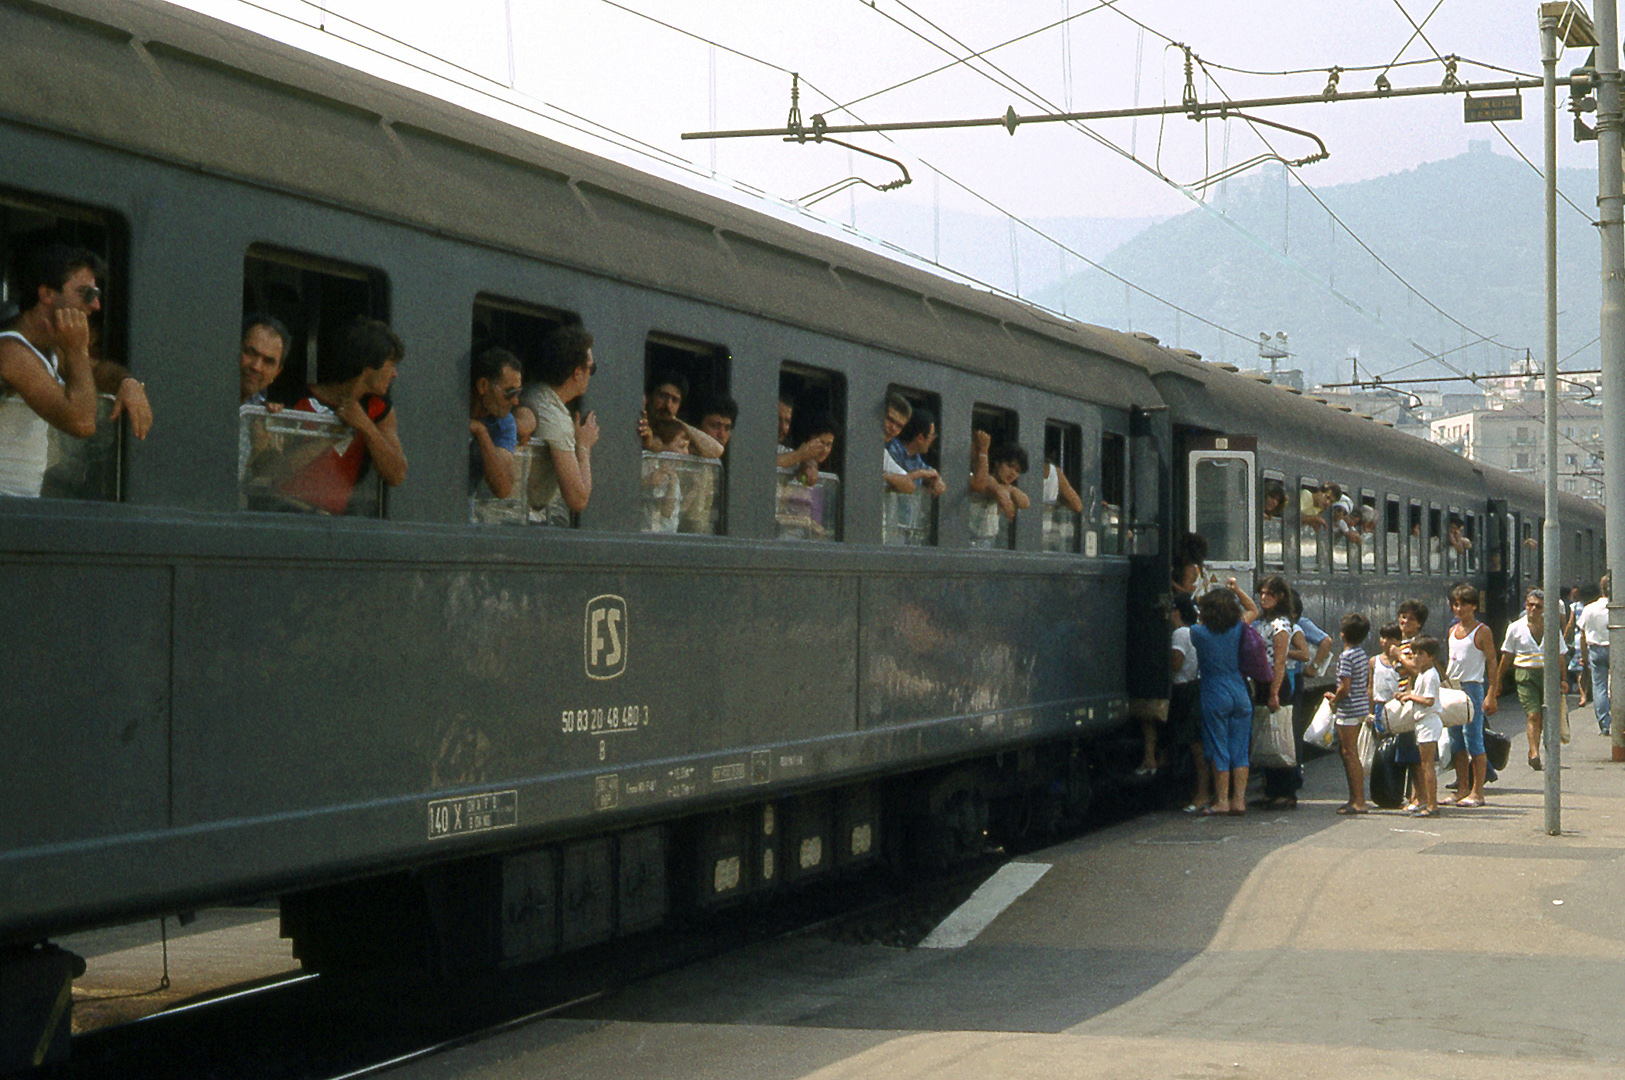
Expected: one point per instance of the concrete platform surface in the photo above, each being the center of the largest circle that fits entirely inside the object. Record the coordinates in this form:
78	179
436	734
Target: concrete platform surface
124	965
1289	944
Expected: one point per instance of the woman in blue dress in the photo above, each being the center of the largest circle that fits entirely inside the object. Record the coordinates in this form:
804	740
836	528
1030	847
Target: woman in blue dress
1227	706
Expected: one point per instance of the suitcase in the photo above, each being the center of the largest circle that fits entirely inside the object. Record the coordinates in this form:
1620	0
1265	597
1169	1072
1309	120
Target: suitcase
1387	775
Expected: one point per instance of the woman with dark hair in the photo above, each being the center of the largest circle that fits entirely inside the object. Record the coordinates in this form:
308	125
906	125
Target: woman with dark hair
1274	616
1227	708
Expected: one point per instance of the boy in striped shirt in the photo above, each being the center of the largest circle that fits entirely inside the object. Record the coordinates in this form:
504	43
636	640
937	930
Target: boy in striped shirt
1352	700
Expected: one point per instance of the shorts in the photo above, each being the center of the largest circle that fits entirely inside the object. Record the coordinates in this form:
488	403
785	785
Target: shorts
1429	727
1531	684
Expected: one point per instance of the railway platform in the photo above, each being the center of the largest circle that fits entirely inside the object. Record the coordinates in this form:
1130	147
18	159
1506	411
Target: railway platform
1289	944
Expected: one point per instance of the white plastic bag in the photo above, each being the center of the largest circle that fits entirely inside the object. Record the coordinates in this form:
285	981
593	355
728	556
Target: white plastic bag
1367	743
1322	731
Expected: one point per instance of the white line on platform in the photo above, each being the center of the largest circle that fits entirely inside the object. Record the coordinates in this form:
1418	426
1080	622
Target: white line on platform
985	904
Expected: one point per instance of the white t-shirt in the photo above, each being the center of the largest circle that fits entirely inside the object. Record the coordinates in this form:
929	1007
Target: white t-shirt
889	464
1526	651
1189	671
555	430
1593	621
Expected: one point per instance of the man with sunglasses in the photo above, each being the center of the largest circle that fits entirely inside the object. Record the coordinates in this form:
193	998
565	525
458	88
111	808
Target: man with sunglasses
497	380
46	364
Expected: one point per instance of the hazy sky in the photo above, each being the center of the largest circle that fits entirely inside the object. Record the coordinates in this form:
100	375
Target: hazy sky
599	61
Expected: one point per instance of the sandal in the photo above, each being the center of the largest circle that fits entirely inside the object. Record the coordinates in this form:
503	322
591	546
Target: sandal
1470	803
1534	763
1350	808
1196	808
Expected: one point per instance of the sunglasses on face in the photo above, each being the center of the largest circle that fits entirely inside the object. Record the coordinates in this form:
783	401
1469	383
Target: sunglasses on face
89	293
511	393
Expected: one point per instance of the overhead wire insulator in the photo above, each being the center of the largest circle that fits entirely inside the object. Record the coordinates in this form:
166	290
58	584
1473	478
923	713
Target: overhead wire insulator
1383	85
1450	71
794	121
1331	83
1189	97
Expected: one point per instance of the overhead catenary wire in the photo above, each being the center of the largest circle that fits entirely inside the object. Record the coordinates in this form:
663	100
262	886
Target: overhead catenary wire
1035	98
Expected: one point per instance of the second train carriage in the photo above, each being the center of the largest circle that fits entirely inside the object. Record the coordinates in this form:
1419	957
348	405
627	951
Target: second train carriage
433	732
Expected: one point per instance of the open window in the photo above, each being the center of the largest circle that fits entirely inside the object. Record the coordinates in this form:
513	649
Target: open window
1273	522
812	452
683	470
305	460
1435	542
1455	543
66	467
912	425
1393	536
991	524
518	328
1063	482
1221	508
1342	535
1311	526
1369	535
1113	492
1416	539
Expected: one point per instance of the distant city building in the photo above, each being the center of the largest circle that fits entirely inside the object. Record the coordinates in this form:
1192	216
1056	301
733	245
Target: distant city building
1513	437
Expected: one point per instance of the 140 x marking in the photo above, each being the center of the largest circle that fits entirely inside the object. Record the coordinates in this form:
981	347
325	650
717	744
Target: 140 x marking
473	813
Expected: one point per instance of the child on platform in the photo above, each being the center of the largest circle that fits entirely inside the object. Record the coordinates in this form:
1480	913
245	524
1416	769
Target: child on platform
1352	700
1422	665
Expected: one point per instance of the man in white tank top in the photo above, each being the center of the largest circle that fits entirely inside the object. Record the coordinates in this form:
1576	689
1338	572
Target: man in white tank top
47	377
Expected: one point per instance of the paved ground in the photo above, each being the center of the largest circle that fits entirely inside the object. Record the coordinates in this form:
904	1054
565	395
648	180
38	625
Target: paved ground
1276	945
124	966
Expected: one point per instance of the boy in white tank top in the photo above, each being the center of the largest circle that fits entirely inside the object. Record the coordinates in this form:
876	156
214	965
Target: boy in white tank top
1475	667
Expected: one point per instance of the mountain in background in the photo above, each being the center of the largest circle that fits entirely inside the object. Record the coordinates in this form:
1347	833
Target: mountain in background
981	247
1467	234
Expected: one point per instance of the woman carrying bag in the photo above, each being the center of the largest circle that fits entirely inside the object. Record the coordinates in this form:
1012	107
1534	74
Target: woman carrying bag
1273	617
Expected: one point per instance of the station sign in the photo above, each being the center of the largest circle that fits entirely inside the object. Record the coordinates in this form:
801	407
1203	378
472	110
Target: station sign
1482	110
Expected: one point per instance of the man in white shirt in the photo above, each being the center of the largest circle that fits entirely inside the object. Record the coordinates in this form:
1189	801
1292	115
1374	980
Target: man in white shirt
1593	635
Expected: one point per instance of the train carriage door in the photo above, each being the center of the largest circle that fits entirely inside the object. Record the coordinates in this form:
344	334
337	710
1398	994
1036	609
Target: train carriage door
1147	514
1222	505
1500	566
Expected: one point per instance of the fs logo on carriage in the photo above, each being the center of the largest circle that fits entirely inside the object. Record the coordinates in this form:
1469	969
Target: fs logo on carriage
604	641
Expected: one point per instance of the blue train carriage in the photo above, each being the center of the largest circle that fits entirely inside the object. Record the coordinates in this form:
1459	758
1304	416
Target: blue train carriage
473	731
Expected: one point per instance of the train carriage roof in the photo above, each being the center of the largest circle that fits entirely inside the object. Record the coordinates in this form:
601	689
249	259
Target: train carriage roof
182	87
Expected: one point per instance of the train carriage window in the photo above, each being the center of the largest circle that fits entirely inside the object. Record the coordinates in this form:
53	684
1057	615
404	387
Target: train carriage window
1063	476
1455	543
683	467
520	329
1311	526
64	466
1470	533
1113	491
1393	537
303	461
1415	541
1273	522
1341	525
1435	540
812	406
1221	500
1369	535
992	521
913	438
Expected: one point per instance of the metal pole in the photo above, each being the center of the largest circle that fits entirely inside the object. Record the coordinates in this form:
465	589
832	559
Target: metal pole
1550	542
1611	206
